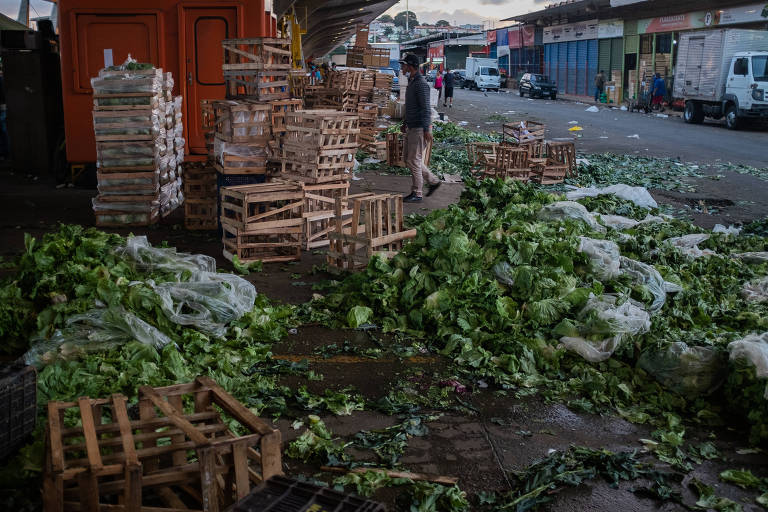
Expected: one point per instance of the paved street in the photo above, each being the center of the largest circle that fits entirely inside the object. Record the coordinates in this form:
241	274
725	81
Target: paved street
609	130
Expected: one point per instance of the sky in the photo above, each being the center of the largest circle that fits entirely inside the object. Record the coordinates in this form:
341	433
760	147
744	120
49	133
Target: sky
479	11
38	8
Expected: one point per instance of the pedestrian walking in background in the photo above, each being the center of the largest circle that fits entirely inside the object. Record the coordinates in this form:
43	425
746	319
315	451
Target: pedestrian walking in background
417	129
448	86
659	90
439	85
599	84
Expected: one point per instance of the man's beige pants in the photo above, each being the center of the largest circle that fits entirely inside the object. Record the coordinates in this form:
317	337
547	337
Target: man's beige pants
413	150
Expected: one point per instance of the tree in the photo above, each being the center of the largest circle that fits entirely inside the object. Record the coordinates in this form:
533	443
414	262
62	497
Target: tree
401	16
388	31
386	18
442	23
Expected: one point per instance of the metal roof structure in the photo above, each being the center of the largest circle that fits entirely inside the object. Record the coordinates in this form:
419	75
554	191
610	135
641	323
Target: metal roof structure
580	10
330	22
440	36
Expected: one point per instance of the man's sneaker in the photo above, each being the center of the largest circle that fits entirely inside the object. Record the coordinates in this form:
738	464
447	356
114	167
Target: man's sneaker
412	198
433	188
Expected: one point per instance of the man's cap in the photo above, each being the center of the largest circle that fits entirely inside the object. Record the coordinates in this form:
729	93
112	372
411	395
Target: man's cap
410	59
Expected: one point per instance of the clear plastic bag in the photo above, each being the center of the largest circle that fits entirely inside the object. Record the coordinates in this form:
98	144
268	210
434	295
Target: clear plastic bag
604	257
627	319
250	152
647	275
562	210
208	301
756	291
93	331
689	245
753	348
686	370
140	251
620	223
638	195
730	230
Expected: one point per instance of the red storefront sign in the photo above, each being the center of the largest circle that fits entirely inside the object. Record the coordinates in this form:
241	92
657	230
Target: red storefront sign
522	37
491	36
436	52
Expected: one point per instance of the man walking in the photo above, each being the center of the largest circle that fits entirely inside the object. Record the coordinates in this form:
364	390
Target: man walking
599	84
417	129
448	86
659	91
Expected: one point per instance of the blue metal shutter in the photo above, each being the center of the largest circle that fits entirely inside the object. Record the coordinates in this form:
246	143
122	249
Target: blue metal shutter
581	67
573	68
592	64
562	67
549	67
493	54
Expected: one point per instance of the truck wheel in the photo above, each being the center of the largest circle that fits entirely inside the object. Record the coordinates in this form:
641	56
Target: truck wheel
693	113
732	120
522	94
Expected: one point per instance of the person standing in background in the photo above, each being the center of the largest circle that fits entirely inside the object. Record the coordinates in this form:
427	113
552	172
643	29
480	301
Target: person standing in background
439	85
417	129
659	90
599	84
448	85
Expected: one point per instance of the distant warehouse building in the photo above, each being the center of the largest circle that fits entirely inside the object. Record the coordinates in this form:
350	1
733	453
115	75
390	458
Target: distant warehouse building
628	39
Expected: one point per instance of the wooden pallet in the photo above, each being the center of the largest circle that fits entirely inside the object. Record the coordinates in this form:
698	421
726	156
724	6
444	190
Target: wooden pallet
376	227
522	131
319	211
265	206
265	245
242	121
178	448
322	129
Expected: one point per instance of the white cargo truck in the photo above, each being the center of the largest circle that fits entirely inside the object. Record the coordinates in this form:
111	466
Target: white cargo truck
482	73
723	73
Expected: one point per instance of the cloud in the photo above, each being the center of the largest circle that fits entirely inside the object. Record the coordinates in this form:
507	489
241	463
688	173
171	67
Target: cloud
459	16
493	2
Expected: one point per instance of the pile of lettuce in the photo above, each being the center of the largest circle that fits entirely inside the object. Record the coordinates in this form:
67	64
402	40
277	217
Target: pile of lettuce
500	283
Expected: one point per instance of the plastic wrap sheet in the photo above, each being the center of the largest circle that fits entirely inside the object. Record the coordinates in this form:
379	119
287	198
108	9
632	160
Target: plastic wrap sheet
689	245
94	331
756	291
141	253
686	370
563	210
222	149
647	275
604	257
638	195
753	349
627	319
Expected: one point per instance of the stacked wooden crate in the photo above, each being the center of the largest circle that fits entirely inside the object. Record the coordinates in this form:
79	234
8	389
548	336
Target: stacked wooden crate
263	222
132	146
243	133
175	451
257	68
171	184
382	90
368	114
318	151
200	196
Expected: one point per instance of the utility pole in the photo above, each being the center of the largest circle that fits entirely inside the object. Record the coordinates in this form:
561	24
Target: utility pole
407	12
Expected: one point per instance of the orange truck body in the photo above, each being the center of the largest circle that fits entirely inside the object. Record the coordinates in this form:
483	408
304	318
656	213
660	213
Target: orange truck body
180	36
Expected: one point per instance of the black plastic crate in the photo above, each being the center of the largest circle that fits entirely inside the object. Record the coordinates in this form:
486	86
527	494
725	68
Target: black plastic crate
18	406
281	494
233	180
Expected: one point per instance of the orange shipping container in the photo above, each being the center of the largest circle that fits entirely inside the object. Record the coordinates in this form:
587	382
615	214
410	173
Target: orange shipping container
183	37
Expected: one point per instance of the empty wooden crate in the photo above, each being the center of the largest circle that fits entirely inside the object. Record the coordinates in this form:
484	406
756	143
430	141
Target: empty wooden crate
257	67
320	211
178	451
376	227
522	131
243	121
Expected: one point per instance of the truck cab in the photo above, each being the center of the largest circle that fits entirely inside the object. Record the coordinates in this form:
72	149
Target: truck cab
746	89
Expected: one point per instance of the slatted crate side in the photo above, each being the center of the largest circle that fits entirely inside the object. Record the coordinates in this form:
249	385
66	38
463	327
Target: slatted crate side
523	131
376	228
259	85
201	214
257	54
266	206
18	406
319	212
110	457
326	129
268	246
277	116
242	121
130	183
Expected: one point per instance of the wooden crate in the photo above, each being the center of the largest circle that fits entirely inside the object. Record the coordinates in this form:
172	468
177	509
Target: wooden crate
265	245
277	116
322	129
125	125
243	121
319	211
200	181
320	97
265	206
376	227
128	183
201	214
522	131
240	158
125	156
178	448
395	151
257	68
120	211
316	166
